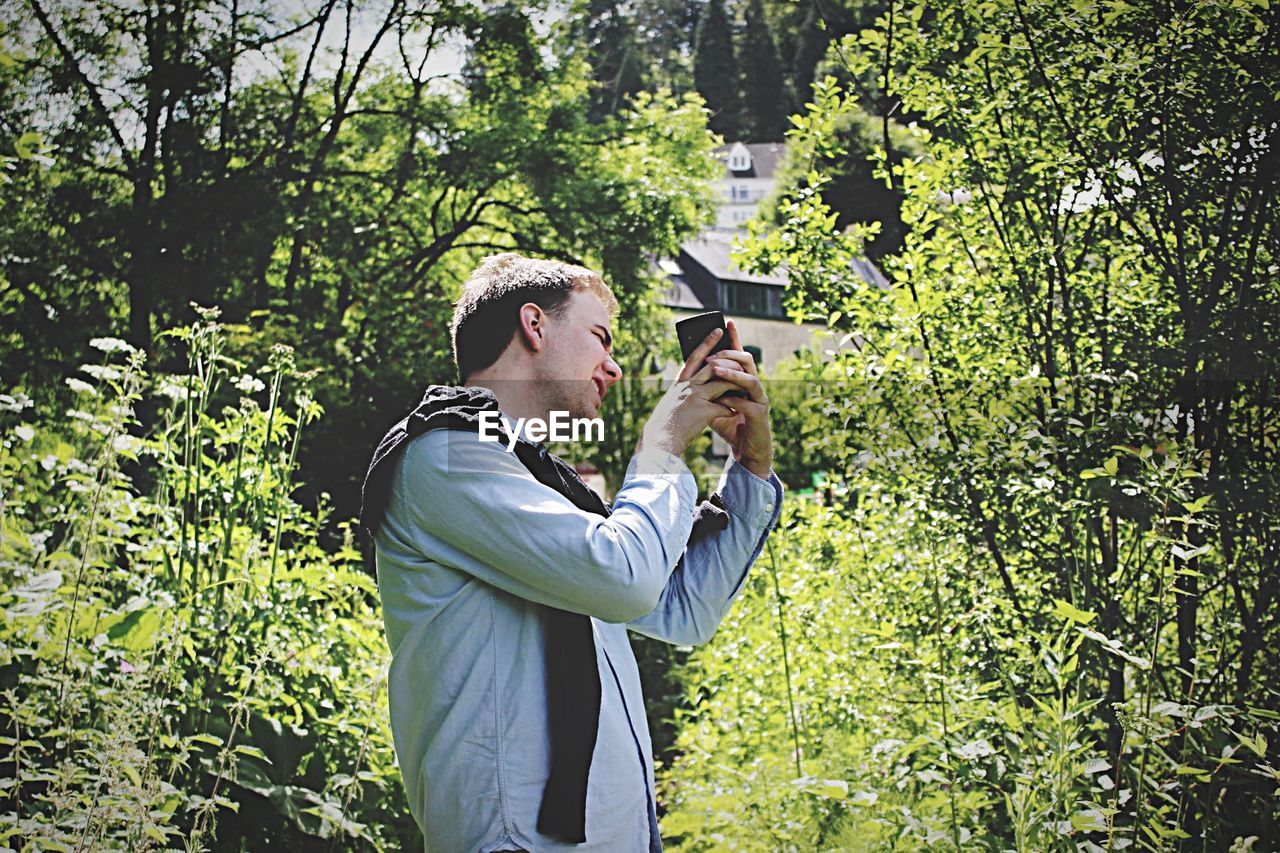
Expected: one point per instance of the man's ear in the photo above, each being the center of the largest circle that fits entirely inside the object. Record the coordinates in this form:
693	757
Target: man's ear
533	326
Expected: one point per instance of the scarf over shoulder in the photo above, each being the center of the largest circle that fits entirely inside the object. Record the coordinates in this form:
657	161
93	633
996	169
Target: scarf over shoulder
573	679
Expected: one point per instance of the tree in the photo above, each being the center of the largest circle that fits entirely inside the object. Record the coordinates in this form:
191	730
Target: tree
1072	365
764	91
809	46
667	31
321	184
606	38
852	184
716	73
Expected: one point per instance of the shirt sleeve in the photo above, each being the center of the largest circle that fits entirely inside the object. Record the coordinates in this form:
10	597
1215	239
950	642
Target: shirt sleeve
474	506
712	570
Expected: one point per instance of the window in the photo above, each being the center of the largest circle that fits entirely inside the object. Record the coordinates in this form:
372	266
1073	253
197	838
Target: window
762	300
755	353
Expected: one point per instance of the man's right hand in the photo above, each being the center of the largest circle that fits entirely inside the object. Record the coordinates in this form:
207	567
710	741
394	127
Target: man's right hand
689	406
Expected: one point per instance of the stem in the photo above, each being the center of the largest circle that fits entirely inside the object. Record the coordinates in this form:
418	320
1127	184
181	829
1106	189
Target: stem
786	660
942	695
288	472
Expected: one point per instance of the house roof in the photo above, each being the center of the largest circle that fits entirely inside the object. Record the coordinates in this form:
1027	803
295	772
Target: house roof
765	158
680	295
711	252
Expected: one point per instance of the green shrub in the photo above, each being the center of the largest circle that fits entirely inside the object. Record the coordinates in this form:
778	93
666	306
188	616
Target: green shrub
182	665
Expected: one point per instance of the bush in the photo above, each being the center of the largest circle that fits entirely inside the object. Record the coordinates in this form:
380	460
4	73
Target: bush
182	665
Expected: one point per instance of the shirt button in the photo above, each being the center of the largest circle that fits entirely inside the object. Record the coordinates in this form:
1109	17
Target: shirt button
768	507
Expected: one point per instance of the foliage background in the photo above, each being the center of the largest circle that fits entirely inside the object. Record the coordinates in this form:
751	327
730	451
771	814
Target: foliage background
1034	606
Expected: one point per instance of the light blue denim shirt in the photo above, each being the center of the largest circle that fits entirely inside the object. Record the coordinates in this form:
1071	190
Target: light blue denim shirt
470	545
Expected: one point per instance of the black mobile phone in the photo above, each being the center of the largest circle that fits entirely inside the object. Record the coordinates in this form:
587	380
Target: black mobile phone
694	330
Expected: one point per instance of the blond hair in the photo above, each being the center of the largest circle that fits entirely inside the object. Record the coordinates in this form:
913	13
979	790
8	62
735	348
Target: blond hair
486	315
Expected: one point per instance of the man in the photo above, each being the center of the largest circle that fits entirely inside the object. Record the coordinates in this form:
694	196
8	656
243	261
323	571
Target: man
508	586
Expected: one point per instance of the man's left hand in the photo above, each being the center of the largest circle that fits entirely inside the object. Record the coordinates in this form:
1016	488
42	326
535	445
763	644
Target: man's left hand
747	430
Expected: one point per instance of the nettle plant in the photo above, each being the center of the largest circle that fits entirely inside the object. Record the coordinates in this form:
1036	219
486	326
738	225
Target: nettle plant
182	665
1066	396
864	693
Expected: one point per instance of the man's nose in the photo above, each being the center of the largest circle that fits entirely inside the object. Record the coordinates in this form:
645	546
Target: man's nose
612	371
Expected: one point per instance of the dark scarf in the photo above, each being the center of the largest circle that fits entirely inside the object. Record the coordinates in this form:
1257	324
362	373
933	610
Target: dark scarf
573	679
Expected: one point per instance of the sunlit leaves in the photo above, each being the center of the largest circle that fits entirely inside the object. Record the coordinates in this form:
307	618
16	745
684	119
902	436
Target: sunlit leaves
166	634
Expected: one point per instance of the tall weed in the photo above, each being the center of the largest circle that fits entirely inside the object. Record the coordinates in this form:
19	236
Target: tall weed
183	665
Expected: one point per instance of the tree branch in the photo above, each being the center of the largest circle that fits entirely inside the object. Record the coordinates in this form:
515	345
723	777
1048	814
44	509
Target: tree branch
95	96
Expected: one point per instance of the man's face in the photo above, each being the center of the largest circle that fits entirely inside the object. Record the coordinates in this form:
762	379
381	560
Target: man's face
576	367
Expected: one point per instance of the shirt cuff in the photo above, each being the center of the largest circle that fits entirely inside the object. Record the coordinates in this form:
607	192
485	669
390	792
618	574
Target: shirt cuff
652	462
756	501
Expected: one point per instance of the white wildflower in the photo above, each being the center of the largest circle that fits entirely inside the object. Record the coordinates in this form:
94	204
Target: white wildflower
24	432
125	443
110	345
14	402
249	384
102	372
175	391
81	387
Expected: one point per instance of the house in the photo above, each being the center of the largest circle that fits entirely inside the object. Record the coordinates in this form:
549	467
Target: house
749	177
704	278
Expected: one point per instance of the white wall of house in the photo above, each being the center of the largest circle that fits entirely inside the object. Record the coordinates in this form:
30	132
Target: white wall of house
739	197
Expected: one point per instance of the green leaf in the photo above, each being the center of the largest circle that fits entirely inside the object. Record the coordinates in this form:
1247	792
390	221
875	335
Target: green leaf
1115	648
1256	744
1198	504
1066	610
137	629
28	145
831	789
1189	553
253	751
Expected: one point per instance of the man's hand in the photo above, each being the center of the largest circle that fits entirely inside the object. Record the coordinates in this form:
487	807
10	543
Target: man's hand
689	406
747	427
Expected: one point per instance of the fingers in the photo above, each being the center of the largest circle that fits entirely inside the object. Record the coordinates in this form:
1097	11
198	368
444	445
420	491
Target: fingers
738	359
707	373
748	382
734	343
695	359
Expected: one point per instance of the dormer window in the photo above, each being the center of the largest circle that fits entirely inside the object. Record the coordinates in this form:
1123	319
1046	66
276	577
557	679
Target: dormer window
739	158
